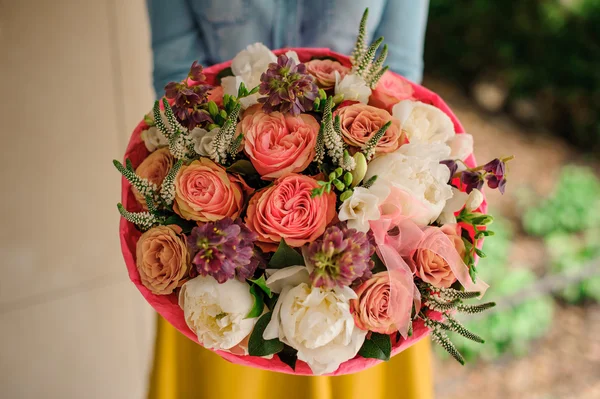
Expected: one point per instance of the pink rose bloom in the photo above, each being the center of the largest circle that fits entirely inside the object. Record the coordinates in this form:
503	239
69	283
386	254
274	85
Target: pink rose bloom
286	210
430	260
454	232
390	90
324	72
205	192
382	306
162	259
279	144
359	122
216	95
154	168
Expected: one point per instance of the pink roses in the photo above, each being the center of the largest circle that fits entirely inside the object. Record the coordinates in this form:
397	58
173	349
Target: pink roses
286	210
154	168
205	192
384	304
359	122
390	90
278	144
324	72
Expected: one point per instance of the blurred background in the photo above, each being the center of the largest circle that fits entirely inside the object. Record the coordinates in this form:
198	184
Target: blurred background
522	76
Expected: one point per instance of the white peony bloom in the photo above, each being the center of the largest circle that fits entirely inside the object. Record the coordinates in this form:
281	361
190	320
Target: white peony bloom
203	140
217	312
316	322
361	207
461	146
352	87
423	123
416	169
247	66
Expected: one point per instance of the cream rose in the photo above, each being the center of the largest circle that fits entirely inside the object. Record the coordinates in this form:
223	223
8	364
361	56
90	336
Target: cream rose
416	169
324	72
316	322
423	123
217	312
359	122
162	259
279	144
154	168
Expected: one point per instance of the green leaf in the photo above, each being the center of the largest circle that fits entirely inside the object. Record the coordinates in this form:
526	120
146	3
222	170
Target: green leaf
186	225
289	356
378	346
482	220
271	301
262	284
473	272
224	73
285	256
480	253
243	167
259	303
257	345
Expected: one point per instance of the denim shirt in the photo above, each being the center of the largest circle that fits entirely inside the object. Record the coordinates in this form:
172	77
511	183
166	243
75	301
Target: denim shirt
213	31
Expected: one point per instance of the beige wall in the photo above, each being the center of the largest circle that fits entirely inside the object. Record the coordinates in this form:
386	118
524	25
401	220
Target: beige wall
76	78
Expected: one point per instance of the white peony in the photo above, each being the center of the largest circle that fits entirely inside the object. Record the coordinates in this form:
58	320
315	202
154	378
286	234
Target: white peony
360	208
203	140
316	322
416	169
352	87
461	146
217	312
423	123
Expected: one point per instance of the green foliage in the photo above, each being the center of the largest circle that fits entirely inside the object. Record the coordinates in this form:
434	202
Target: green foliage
285	256
377	346
257	345
544	50
259	302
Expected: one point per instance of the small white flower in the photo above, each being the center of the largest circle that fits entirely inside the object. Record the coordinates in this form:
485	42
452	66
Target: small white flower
217	312
423	123
361	207
316	322
474	200
461	146
416	169
247	67
152	137
352	87
203	140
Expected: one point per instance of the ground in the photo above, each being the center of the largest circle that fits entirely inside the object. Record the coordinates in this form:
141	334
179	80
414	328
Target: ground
565	363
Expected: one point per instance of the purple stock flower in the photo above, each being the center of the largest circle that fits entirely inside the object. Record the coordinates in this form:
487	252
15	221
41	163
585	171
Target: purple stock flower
223	250
496	170
471	180
287	87
339	257
452	166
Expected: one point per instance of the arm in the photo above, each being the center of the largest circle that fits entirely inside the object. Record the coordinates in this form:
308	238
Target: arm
403	25
176	41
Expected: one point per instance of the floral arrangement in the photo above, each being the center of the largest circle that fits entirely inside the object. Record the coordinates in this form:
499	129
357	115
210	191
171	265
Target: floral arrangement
306	212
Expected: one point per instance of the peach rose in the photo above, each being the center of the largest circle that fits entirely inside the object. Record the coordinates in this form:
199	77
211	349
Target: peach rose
324	72
216	95
359	122
205	192
279	144
382	306
390	90
286	210
154	168
430	260
162	259
453	232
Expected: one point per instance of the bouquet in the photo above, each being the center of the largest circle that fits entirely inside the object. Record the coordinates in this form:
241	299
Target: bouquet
306	212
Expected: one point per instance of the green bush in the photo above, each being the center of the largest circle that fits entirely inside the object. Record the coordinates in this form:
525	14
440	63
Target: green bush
543	50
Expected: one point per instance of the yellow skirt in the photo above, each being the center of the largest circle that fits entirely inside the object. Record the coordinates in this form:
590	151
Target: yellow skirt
183	369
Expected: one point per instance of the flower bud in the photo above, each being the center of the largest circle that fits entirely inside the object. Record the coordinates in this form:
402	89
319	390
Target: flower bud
345	195
338	98
474	200
360	170
212	108
347	179
339	185
338	172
